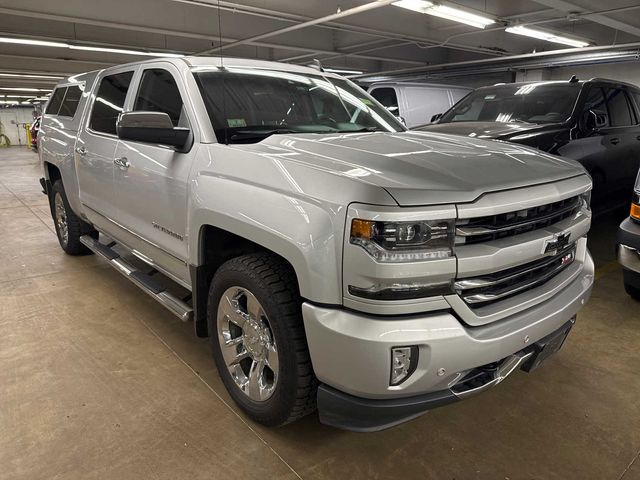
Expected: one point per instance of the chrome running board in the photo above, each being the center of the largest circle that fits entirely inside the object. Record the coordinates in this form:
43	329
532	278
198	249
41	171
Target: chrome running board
145	282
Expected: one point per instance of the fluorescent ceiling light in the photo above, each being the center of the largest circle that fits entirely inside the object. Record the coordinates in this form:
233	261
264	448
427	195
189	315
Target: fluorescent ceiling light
20	89
124	51
548	36
343	71
449	13
44	43
34	76
26	41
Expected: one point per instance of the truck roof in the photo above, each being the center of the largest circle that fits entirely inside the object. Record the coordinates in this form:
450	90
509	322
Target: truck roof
213	61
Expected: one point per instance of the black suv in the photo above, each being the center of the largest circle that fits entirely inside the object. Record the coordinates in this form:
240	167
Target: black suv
596	122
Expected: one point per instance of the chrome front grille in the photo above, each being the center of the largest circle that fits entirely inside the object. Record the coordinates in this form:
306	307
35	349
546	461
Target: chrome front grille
484	229
480	291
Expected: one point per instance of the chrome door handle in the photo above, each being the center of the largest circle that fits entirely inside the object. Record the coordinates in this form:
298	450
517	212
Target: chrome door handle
81	150
122	162
615	140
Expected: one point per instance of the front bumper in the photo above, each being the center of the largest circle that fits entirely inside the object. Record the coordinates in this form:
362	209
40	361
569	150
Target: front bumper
351	353
629	245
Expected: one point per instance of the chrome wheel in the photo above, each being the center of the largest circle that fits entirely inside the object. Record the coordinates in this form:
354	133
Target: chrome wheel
247	344
61	218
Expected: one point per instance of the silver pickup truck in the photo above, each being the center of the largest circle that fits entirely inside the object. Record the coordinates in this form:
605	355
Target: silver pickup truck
335	260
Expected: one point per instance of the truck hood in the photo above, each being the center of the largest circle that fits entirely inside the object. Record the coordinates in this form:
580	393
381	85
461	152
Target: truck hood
420	168
491	130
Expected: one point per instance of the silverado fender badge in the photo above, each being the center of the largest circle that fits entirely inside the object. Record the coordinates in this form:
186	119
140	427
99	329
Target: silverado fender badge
558	242
167	231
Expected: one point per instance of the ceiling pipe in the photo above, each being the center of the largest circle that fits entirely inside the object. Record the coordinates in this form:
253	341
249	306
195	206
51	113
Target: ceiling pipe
281	16
498	61
310	23
476	32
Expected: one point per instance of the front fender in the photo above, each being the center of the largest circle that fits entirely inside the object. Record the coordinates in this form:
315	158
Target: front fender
306	232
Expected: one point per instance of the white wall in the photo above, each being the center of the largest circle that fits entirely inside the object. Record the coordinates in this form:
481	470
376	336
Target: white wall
10	120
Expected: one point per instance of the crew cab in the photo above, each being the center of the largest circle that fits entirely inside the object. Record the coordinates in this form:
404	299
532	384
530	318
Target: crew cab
334	259
596	122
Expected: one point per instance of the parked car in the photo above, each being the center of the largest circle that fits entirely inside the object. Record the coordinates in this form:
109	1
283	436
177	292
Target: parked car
416	103
596	122
629	245
332	257
35	127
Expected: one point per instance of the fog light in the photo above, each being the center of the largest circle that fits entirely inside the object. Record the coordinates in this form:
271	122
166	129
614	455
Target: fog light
403	363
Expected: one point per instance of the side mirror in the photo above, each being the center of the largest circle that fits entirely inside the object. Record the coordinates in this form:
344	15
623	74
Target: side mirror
151	127
436	117
595	121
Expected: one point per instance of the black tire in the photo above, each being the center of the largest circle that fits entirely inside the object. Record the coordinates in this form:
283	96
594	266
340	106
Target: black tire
76	227
273	283
631	283
632	291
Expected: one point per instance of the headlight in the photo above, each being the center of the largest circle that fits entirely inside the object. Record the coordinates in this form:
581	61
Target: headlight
586	199
404	241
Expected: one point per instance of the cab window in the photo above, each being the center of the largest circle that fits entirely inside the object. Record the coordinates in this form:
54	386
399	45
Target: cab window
109	102
70	102
159	93
56	101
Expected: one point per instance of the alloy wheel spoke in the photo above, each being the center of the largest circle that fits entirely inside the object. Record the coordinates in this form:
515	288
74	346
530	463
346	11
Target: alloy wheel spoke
230	351
272	358
231	310
254	309
255	377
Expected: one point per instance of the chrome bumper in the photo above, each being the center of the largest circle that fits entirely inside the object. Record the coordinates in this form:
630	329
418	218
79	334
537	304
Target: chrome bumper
351	352
348	412
629	258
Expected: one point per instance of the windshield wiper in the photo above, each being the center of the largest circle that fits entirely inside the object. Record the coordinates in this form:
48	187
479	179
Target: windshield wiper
250	134
363	129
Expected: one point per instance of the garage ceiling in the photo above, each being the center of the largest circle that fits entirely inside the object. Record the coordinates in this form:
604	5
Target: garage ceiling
359	36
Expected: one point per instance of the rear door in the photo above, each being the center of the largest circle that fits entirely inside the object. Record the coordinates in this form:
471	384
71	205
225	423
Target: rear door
96	146
151	180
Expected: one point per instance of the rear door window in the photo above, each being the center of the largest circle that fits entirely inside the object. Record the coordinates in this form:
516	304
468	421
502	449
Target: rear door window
620	114
56	100
159	93
109	102
70	102
387	97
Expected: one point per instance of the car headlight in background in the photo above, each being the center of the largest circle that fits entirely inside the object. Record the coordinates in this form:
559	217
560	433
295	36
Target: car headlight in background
396	242
635	206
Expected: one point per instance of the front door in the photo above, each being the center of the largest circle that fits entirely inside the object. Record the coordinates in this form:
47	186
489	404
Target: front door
96	146
151	180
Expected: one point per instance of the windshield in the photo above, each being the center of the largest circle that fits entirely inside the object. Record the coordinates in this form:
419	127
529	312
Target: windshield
532	103
246	105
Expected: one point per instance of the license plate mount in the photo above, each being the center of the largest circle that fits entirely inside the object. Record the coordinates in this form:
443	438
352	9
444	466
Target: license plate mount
547	346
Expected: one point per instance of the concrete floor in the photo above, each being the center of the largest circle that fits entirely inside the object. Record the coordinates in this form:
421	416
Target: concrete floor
98	381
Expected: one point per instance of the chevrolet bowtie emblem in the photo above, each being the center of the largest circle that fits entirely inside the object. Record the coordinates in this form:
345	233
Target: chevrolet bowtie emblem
558	242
